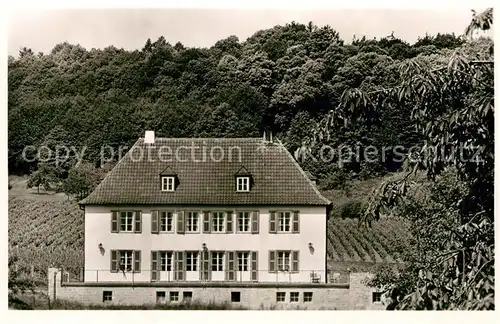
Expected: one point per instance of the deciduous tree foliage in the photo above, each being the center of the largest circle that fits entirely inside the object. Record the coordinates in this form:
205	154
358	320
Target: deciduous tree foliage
452	100
234	88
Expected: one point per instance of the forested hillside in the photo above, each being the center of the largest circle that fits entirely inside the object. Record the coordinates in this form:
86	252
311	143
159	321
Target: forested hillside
282	79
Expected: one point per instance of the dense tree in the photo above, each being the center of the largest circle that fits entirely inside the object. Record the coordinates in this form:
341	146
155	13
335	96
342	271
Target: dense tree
91	98
452	100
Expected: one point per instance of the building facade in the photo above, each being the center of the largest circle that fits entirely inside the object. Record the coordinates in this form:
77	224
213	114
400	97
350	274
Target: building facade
213	220
247	213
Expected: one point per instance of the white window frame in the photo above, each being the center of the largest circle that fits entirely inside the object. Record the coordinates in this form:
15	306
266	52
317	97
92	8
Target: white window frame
239	219
284	260
165	215
167	184
192	222
166	260
218	257
124	263
192	260
282	217
129	221
218	222
243	261
242	184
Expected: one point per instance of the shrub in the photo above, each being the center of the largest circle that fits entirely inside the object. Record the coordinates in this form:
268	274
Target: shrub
353	209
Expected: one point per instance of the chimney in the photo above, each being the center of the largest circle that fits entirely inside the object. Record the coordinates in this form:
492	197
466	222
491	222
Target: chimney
149	137
268	137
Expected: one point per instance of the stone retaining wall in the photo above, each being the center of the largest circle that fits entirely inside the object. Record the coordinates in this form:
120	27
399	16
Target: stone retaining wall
354	296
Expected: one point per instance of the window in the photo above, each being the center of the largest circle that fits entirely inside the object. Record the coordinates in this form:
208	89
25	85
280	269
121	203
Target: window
218	222
284	260
192	222
243	184
126	221
126	260
376	297
280	296
294	297
187	295
284	222
160	297
308	297
244	222
174	296
166	261
217	261
168	183
235	296
191	261
242	261
166	221
107	295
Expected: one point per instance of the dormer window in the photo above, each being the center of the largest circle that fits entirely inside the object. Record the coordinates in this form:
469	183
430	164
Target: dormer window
168	183
242	184
169	180
243	180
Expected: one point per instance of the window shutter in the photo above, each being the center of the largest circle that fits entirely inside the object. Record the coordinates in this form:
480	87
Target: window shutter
114	222
180	222
272	261
205	265
114	261
272	222
230	267
206	222
295	222
137	261
155	222
179	273
138	222
255	272
295	261
229	222
154	266
255	222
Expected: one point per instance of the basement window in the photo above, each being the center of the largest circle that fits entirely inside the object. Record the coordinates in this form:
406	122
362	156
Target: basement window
294	297
174	296
107	295
160	297
308	297
280	297
187	296
235	296
376	297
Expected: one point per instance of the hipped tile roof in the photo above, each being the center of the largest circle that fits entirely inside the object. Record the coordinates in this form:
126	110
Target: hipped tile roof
205	169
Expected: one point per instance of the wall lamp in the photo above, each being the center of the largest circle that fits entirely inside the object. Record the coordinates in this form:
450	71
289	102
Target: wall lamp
311	248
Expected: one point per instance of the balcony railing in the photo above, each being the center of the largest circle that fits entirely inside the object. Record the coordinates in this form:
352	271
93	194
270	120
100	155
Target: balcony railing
263	276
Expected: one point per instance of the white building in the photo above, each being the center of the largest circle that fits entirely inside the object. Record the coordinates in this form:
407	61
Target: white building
206	210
